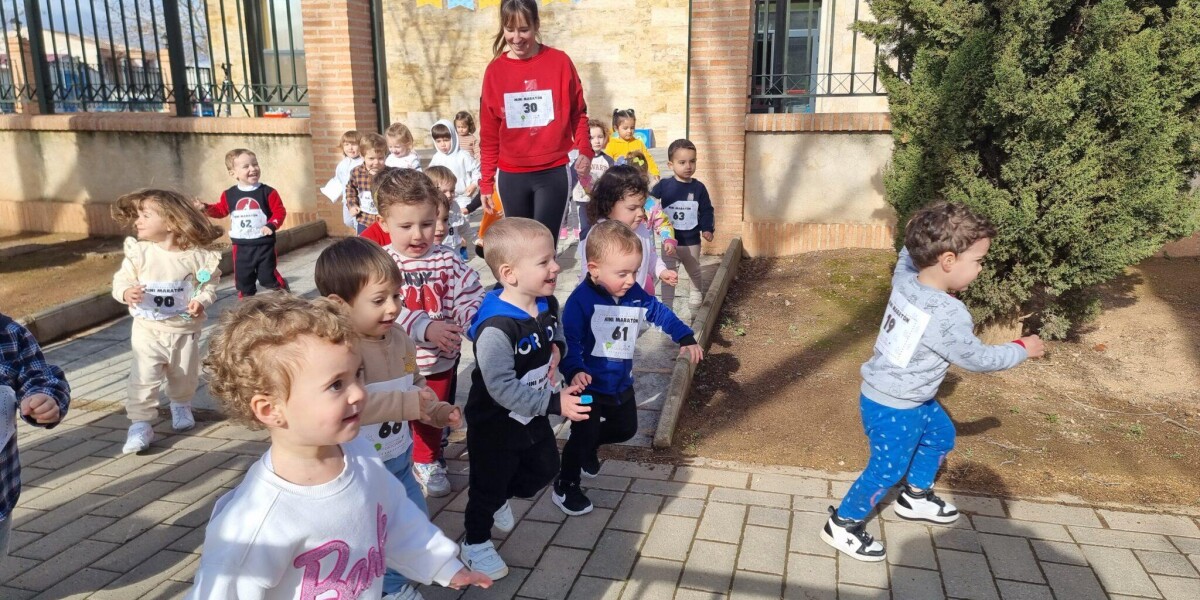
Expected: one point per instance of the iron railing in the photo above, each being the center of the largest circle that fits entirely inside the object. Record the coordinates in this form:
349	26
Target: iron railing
188	57
805	49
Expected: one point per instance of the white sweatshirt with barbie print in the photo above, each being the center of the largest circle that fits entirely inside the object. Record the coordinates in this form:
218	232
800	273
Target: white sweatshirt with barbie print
272	539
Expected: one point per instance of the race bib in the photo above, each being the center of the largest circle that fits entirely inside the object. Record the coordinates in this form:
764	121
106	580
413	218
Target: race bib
164	300
366	203
537	379
901	330
684	214
528	109
247	224
616	331
8	420
390	439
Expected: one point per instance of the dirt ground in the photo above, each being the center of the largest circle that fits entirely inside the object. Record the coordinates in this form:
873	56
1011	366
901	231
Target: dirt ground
1113	415
40	270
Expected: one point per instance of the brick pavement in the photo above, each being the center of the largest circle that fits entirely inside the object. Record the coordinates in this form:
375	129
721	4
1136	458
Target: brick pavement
94	524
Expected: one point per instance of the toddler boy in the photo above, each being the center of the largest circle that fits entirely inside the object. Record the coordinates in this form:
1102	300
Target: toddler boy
400	148
925	329
255	213
465	169
602	318
518	339
685	201
359	199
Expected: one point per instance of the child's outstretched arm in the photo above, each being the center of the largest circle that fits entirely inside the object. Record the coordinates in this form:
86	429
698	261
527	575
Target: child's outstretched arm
41	387
954	339
219	210
905	267
660	315
421	552
395	405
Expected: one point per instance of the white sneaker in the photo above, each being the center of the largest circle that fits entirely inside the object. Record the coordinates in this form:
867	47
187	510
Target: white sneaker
696	299
503	519
408	592
484	559
139	437
433	477
924	505
181	417
851	538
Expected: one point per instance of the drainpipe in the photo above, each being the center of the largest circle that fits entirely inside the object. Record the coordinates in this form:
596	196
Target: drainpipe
382	111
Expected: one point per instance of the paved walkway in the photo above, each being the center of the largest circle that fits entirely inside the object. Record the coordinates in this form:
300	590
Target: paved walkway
95	524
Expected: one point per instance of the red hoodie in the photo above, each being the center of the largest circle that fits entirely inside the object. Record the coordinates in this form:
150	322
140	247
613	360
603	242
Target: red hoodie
535	136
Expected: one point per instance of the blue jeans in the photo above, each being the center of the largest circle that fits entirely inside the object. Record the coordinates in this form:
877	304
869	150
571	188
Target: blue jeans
401	467
906	444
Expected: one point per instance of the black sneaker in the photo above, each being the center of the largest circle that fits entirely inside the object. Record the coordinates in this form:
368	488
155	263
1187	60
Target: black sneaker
569	497
924	505
590	467
850	537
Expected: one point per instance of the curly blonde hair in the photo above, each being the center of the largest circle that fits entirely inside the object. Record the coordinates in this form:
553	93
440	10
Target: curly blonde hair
191	227
249	353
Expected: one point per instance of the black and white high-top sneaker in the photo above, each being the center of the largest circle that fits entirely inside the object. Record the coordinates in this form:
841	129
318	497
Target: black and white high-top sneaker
924	505
850	537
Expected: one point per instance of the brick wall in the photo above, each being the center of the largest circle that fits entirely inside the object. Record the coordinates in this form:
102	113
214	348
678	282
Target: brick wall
341	79
719	61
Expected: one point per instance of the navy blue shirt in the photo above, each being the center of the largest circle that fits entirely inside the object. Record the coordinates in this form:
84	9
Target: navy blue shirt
670	191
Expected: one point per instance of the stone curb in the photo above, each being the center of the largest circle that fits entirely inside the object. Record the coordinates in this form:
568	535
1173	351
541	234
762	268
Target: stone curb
706	318
58	322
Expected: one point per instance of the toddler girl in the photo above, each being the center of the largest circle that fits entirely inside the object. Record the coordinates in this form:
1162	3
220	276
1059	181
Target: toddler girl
581	191
464	123
169	276
624	123
335	188
620	195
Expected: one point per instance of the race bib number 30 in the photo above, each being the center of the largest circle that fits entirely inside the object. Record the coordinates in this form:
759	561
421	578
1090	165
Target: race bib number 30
901	330
164	300
528	109
684	214
616	331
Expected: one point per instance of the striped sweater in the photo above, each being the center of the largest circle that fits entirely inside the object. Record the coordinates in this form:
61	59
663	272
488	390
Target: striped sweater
436	287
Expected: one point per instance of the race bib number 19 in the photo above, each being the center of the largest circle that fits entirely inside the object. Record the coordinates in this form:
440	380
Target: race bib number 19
528	109
901	330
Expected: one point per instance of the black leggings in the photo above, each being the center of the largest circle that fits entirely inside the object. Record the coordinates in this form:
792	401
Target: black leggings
540	195
619	416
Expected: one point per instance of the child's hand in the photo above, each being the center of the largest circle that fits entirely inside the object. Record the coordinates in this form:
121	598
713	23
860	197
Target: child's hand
41	407
464	578
198	204
455	419
354	210
1034	346
569	406
267	230
445	334
195	309
694	352
669	277
581	380
707	235
669	250
465	211
135	294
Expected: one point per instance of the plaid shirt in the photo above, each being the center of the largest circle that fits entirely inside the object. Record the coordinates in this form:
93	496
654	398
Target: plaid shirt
25	370
360	181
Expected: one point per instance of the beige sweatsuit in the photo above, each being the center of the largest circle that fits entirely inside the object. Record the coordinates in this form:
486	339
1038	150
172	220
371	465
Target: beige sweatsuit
166	343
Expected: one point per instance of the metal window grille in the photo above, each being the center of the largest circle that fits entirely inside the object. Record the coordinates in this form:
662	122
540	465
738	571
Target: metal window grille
186	57
803	50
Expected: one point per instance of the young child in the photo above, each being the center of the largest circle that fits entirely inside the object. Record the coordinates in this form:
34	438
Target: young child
360	275
624	123
621	195
656	220
168	278
335	188
452	223
38	392
400	148
359	195
602	318
518	340
318	516
582	190
255	213
686	202
466	175
464	124
440	295
925	329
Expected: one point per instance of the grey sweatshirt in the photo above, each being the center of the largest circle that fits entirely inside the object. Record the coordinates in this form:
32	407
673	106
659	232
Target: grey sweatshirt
924	331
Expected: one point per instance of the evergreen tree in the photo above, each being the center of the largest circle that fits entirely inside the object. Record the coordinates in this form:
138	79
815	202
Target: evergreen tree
1073	124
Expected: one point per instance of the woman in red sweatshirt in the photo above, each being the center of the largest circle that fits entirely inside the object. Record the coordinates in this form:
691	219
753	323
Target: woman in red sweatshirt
531	114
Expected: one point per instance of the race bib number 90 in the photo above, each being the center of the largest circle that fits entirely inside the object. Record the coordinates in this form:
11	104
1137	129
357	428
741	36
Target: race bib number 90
901	330
616	331
529	109
164	300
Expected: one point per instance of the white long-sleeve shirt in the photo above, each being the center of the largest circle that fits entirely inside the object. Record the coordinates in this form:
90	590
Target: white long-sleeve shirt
271	539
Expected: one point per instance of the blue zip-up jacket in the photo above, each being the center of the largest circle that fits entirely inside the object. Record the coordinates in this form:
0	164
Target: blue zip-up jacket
610	376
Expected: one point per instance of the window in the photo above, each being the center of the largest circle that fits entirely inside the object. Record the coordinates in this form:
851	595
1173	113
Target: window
786	49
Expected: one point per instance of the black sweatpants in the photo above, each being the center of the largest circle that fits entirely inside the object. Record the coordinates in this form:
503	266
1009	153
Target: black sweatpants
508	460
540	195
613	420
256	262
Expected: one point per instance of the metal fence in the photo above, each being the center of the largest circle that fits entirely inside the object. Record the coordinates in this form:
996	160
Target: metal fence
804	50
186	57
